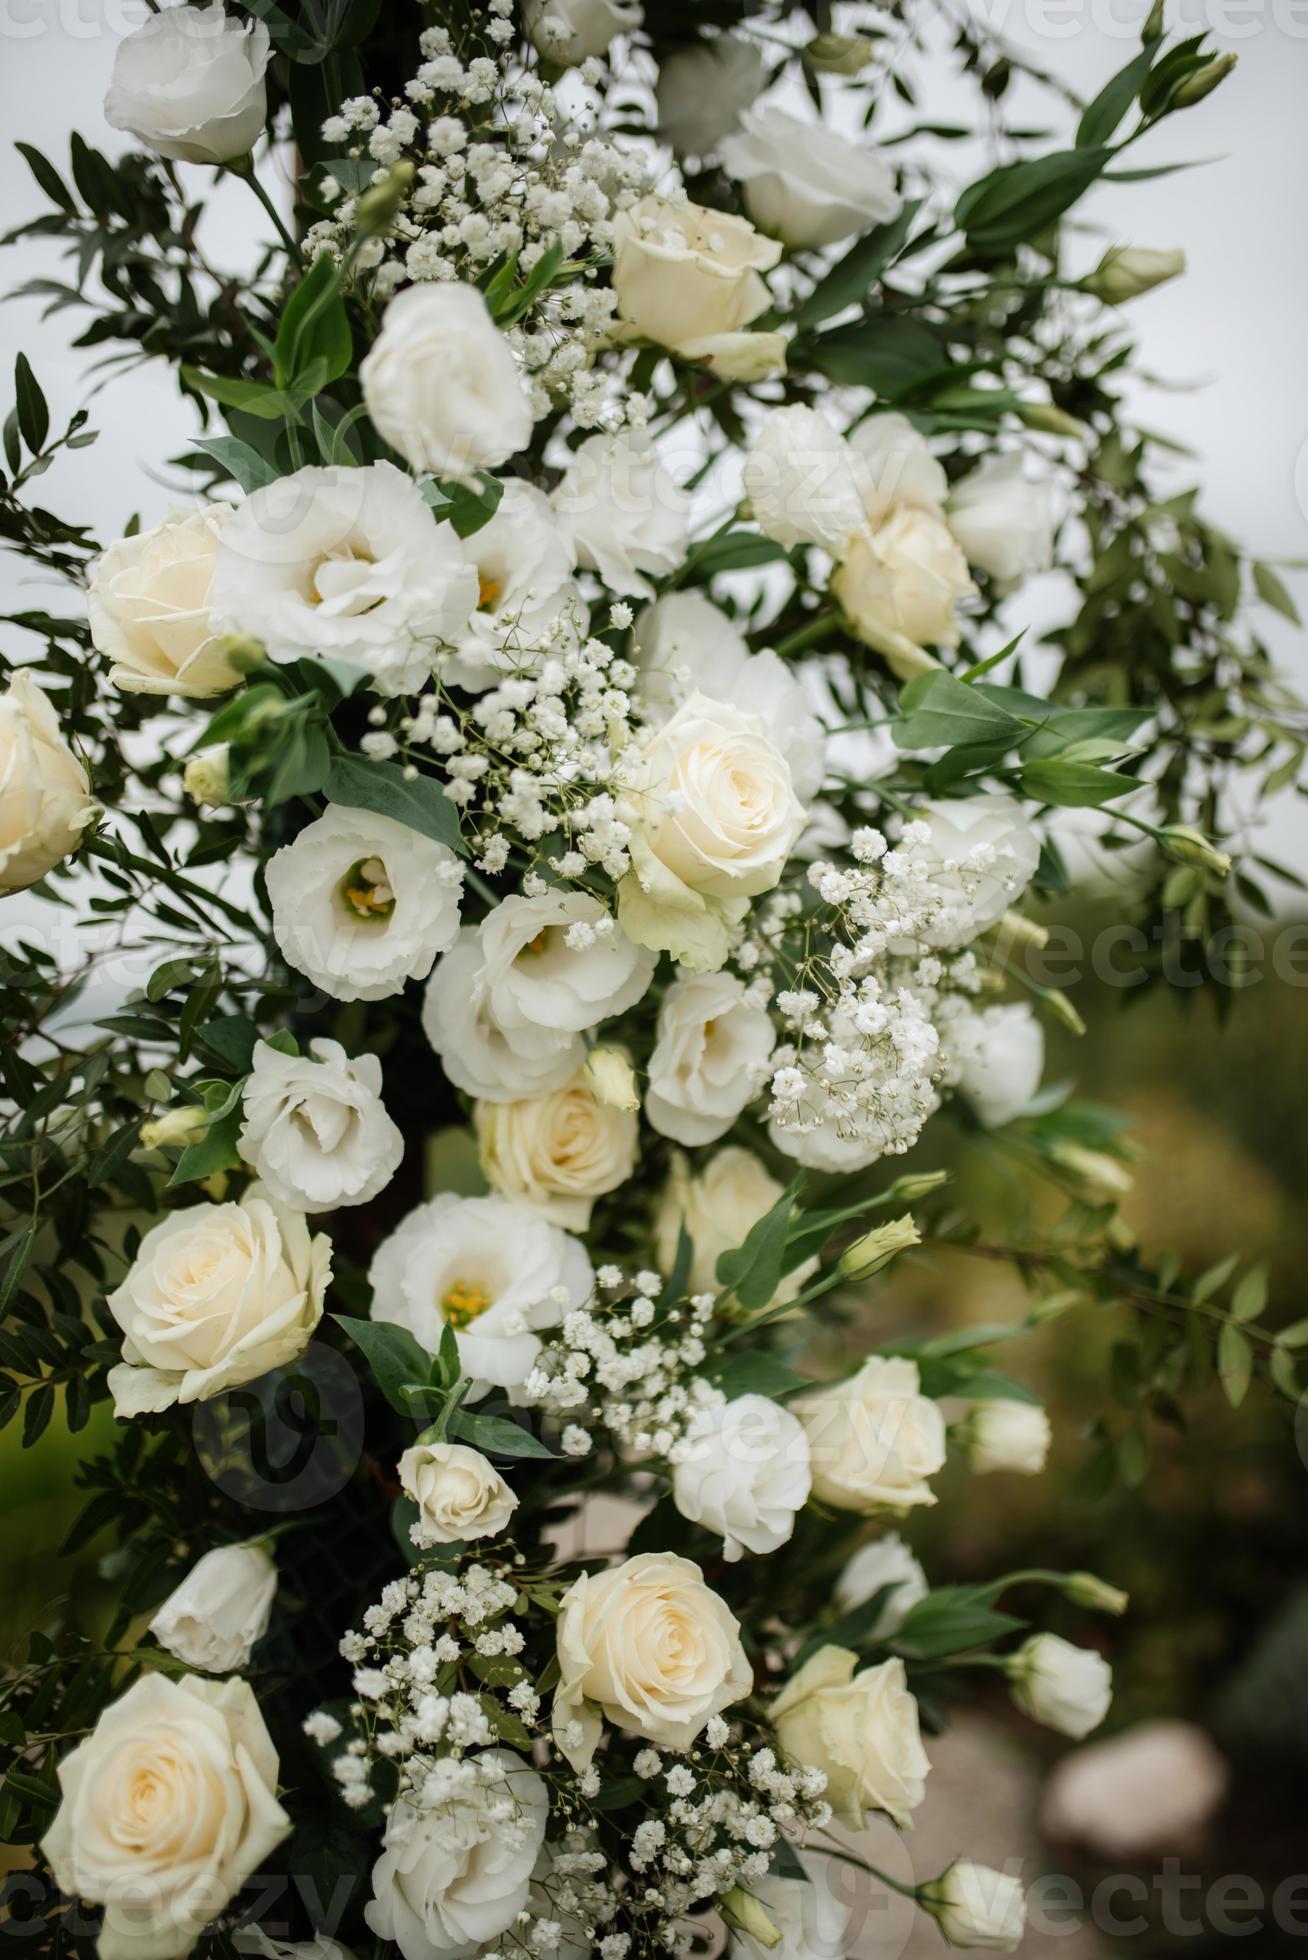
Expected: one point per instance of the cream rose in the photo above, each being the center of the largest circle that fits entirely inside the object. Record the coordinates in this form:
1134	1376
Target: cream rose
222	1607
710	1059
189	83
690	279
217	1295
558	1152
648	1647
441	385
899	582
809	1915
1004	1435
459	1494
718	1206
148	604
806	184
167	1808
45	793
861	1728
875	1439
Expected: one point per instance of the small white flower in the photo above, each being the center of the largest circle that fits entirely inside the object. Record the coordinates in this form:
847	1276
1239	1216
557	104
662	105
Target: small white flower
441	384
745	1475
222	1607
977	1907
315	1127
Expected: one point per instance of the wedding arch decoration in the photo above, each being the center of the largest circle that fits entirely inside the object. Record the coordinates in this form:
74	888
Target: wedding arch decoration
573	784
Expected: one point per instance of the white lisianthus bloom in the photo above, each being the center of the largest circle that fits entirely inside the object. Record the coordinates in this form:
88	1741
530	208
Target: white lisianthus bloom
221	1609
360	903
207	777
806	184
347	565
690	279
441	384
996	1058
216	1296
899	583
316	1129
977	1907
801	482
45	793
893	466
1006	1435
718	1207
559	962
744	1474
622	513
860	1726
1003	520
1065	1687
812	1920
977	854
167	1808
476	1053
648	1647
875	1439
189	83
497	1273
572	31
452	1878
711	1057
459	1494
887	1561
717	820
524	570
702	90
557	1152
149	608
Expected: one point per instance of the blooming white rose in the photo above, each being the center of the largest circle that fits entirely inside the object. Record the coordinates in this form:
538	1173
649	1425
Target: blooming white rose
893	466
703	88
441	384
648	1647
557	1152
253	1939
149	607
316	1129
497	1273
997	1056
459	1494
861	1727
452	1878
806	184
621	512
1003	520
558	962
571	31
977	854
801	481
690	279
744	1474
718	819
808	1913
1150	1789
222	1607
217	1295
1065	1687
975	1906
710	1058
899	583
360	903
718	1208
527	596
348	565
1004	1435
887	1561
875	1439
476	1053
189	83
167	1808
45	793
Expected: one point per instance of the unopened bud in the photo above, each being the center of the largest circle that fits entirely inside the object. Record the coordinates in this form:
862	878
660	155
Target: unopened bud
1130	270
1189	846
839	54
1203	81
612	1079
1055	1002
746	1914
207	776
175	1128
1048	420
380	205
1103	1176
1085	1589
877	1248
1153	28
1017	930
244	652
910	1189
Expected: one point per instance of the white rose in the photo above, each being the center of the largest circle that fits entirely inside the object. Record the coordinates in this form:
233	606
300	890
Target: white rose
360	903
316	1129
977	854
452	1878
45	793
348	565
801	482
441	384
189	83
217	1295
894	466
1002	1435
148	605
806	184
622	513
168	1807
977	1907
860	1726
887	1561
476	1053
1004	521
899	582
996	1057
459	1494
875	1439
718	820
710	1058
527	597
718	1207
558	962
649	1648
557	1152
690	279
222	1607
253	1939
810	1917
703	88
571	31
497	1273
744	1474
1065	1687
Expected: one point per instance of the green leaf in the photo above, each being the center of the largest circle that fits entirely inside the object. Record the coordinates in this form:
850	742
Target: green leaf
1102	116
941	710
1250	1296
466	505
759	1374
885	354
385	790
753	1271
952	1619
399	1365
47	177
243	464
1018	200
1075	785
852	277
33	415
497	1435
215	1151
1272	593
1234	1363
314	331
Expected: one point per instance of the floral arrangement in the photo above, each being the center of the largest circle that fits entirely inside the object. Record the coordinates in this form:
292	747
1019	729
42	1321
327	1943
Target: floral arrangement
575	812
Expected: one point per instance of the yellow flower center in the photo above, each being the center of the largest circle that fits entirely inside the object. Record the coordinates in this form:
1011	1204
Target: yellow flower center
365	890
488	592
464	1302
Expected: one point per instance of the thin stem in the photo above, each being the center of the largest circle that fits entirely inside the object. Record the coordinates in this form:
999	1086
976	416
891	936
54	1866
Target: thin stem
247	173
